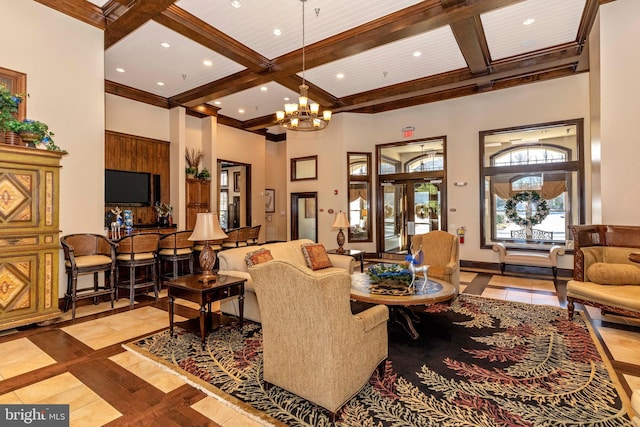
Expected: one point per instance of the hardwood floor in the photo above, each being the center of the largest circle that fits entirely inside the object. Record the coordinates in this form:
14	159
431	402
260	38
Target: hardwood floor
82	362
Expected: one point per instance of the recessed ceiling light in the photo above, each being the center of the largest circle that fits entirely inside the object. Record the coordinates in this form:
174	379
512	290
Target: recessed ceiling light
241	111
218	103
236	3
528	21
160	83
165	44
120	70
340	76
277	32
286	98
417	53
207	62
264	88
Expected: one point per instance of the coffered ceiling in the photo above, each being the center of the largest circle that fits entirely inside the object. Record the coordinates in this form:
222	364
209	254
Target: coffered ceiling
362	56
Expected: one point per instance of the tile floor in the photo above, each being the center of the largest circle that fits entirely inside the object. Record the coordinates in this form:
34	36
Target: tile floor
90	405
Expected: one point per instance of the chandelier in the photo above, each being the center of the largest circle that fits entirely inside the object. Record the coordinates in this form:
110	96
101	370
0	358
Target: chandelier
303	116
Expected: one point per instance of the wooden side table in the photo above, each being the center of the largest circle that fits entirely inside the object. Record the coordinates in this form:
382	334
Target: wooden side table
204	293
357	254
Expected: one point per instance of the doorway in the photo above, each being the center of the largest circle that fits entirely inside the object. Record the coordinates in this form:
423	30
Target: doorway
411	195
304	216
410	207
234	194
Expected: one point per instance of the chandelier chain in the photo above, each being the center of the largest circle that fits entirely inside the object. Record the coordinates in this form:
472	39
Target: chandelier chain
303	43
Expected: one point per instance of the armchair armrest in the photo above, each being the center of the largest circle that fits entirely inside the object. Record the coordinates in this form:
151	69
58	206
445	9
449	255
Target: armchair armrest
342	261
554	252
372	317
501	249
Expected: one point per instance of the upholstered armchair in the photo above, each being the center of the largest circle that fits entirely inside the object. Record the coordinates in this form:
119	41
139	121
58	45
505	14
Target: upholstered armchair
313	345
442	253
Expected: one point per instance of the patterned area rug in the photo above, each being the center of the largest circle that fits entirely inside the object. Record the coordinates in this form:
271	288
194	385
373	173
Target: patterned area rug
478	362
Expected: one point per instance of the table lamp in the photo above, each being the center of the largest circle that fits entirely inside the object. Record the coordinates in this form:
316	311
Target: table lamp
207	228
340	222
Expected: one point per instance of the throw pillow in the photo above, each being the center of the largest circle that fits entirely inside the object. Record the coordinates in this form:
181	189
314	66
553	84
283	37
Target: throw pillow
258	257
316	256
614	274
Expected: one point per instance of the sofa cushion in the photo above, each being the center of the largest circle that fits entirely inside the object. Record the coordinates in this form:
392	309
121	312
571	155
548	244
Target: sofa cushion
258	257
614	274
316	256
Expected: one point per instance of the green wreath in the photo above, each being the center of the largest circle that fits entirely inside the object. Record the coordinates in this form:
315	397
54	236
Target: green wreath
531	197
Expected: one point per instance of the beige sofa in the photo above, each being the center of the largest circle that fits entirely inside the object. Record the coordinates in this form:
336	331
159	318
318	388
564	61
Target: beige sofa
233	263
312	345
603	275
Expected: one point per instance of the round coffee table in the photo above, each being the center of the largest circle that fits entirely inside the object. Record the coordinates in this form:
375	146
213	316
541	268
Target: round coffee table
399	298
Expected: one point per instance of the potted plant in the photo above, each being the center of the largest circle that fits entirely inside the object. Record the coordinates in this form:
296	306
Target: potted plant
8	107
193	158
204	174
191	172
163	211
33	132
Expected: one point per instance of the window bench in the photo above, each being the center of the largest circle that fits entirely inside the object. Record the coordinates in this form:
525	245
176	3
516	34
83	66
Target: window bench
549	259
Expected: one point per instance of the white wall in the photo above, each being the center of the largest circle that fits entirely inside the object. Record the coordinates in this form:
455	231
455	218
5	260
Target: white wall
64	62
460	120
148	120
620	92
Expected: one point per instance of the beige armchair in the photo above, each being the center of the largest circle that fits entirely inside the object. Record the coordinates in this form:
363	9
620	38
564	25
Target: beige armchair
442	253
313	345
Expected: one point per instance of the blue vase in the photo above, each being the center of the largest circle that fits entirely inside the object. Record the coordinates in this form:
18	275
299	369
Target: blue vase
128	220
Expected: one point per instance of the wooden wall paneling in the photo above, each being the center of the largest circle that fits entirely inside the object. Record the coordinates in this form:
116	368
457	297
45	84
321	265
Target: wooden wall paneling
140	154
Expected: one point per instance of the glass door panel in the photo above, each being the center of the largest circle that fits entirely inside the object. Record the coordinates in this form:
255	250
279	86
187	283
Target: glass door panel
395	217
401	222
426	203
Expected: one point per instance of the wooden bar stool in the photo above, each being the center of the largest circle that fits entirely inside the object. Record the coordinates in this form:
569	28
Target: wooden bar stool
88	254
174	248
134	252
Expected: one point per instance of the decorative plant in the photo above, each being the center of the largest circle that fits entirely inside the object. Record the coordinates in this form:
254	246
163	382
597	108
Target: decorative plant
204	174
163	210
395	272
40	130
193	158
8	106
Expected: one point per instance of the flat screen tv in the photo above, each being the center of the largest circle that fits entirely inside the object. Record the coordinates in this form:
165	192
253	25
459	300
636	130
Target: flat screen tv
123	188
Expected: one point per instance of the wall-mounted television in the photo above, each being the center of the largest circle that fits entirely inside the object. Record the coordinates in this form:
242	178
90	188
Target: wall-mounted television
124	188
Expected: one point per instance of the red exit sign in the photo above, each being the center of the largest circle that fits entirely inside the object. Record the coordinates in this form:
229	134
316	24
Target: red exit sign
407	132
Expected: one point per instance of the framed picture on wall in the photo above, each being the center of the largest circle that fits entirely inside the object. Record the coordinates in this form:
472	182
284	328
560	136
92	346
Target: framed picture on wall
236	182
16	83
270	200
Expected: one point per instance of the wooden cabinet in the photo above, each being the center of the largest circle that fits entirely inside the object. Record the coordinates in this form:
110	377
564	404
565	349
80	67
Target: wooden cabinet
29	235
198	199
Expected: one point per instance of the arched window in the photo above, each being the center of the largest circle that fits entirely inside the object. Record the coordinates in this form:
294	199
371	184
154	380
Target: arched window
426	162
533	184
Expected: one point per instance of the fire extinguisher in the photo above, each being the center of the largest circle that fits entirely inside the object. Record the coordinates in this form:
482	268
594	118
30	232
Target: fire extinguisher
460	232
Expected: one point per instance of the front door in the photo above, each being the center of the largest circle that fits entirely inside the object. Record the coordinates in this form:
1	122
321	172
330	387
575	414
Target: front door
409	207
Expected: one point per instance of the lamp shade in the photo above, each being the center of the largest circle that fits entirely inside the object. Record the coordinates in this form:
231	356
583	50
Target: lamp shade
341	220
207	228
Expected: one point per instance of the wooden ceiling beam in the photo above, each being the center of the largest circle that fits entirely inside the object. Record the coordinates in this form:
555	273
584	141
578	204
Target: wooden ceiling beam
320	96
473	44
82	10
184	23
226	86
135	94
139	13
455	79
424	16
